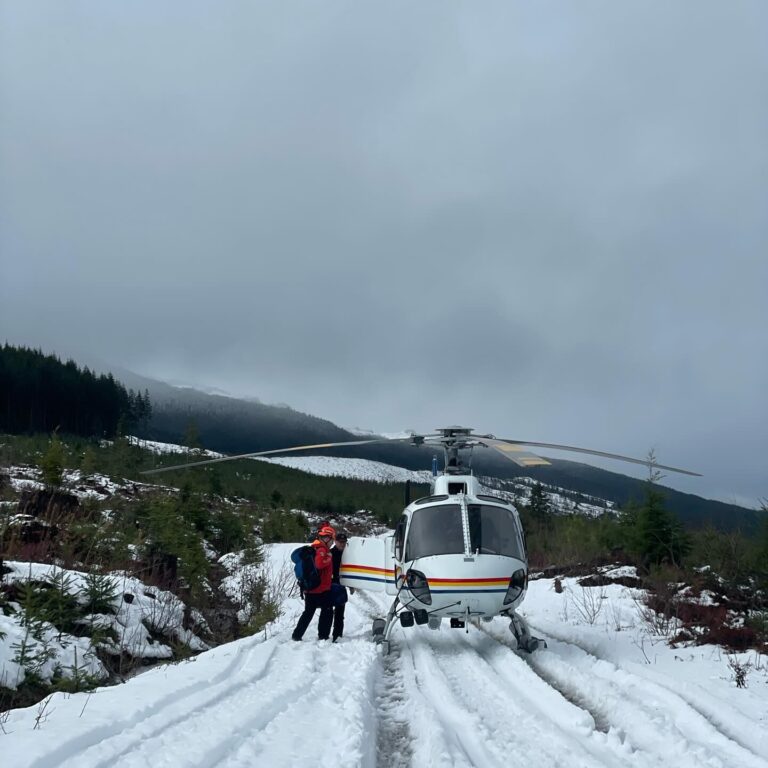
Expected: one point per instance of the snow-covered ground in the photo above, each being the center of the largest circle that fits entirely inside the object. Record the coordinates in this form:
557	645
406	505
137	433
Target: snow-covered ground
357	469
140	616
606	692
74	481
160	448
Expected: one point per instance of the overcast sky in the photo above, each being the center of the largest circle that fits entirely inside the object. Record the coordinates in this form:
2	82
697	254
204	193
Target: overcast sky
544	220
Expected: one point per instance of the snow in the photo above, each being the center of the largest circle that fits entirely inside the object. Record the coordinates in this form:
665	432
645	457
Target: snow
621	571
141	614
514	490
64	654
362	432
93	486
605	692
157	447
358	469
244	577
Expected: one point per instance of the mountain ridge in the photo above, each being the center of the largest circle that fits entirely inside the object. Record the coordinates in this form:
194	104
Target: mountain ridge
233	425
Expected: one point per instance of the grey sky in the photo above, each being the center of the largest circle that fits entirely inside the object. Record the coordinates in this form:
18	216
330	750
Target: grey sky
544	220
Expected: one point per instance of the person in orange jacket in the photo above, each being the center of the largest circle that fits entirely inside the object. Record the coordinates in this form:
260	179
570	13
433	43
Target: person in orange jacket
320	596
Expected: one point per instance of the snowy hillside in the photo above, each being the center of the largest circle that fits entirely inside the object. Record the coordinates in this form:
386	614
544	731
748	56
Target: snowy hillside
357	469
142	622
157	447
516	490
606	692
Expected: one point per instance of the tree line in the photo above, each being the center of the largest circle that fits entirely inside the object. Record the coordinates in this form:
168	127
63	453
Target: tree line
40	393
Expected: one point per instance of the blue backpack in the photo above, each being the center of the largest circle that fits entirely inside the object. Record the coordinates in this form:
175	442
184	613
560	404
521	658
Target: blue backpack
305	569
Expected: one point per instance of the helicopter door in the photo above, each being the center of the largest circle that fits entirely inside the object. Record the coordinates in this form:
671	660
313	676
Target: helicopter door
393	570
367	564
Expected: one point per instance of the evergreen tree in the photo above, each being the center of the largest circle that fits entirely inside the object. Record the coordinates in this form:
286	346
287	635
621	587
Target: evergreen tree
88	462
52	463
652	531
146	414
98	593
761	556
215	486
539	505
39	393
192	436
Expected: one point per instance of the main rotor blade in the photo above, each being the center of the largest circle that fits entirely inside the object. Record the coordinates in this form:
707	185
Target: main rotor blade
515	453
591	452
269	453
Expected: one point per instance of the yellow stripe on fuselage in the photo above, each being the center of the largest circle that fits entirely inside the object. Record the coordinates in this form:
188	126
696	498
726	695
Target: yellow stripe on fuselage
366	569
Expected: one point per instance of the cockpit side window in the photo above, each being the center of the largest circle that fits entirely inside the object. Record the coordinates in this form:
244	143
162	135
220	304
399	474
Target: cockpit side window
435	531
400	537
494	531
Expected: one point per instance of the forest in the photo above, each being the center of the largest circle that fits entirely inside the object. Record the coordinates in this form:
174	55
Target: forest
40	393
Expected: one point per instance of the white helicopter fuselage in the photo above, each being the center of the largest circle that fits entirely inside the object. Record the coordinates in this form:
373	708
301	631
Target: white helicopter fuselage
457	553
461	587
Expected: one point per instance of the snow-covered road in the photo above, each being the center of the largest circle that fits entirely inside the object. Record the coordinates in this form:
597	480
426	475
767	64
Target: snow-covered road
442	698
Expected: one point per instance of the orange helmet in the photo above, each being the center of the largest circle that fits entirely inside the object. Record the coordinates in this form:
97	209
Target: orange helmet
326	530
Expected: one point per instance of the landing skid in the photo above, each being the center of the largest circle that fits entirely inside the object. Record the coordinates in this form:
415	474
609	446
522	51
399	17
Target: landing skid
525	640
382	628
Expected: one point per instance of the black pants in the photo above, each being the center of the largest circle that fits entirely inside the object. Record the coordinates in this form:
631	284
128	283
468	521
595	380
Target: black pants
338	620
313	601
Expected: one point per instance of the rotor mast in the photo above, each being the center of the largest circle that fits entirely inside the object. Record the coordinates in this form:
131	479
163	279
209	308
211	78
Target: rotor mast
455	439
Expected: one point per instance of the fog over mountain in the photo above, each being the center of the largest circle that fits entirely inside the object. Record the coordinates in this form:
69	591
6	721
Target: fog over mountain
545	222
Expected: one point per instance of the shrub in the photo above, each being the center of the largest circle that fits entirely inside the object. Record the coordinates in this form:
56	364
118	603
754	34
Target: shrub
173	549
228	531
52	463
280	526
98	594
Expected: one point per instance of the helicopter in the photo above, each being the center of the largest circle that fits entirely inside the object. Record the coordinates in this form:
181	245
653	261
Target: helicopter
457	554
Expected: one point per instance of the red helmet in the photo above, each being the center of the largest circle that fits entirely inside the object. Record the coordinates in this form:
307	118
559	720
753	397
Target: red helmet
326	530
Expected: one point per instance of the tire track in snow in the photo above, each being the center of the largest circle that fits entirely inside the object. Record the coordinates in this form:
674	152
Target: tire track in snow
341	682
439	703
718	713
393	734
653	719
450	725
74	747
341	678
598	714
221	727
124	748
497	717
263	709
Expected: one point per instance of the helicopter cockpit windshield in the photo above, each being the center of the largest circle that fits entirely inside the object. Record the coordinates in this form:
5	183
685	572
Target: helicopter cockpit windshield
438	530
435	531
494	531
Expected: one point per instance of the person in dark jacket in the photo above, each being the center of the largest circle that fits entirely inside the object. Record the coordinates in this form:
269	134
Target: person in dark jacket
338	591
320	596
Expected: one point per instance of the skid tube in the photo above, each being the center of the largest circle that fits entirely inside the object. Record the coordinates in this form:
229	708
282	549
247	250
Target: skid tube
382	628
525	640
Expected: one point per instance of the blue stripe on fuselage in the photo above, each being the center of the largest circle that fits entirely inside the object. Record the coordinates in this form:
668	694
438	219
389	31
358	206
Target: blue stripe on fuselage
368	578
